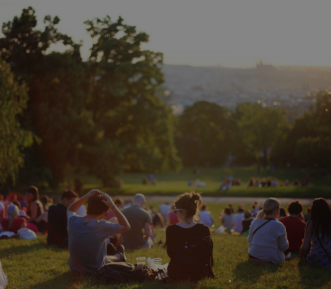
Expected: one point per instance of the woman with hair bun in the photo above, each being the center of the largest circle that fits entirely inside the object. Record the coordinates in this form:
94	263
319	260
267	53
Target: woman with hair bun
267	236
186	207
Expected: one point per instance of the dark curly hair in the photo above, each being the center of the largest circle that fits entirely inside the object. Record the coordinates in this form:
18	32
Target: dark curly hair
295	207
320	215
189	202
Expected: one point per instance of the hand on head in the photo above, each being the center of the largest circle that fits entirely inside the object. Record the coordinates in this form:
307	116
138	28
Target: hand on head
107	200
92	192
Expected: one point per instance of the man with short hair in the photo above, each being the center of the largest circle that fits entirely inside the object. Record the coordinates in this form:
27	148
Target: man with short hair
88	235
237	220
206	217
140	221
295	228
57	220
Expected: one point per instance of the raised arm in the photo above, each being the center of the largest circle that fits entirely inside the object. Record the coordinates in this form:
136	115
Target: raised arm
77	204
122	221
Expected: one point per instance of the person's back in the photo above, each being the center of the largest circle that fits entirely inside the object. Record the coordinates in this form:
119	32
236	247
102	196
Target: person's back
18	223
267	237
237	220
316	247
57	220
87	243
57	226
138	218
205	218
189	245
295	228
227	219
88	235
319	244
265	243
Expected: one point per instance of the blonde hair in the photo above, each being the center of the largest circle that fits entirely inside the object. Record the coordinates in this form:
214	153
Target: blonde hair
12	212
269	205
260	215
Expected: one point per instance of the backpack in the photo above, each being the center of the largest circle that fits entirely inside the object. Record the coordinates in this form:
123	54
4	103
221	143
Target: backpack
193	260
122	272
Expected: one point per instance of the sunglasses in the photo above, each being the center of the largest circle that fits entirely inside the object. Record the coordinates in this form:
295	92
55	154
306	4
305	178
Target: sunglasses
178	209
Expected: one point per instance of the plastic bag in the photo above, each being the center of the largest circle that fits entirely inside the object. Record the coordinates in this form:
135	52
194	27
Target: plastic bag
150	263
27	234
3	279
220	230
7	234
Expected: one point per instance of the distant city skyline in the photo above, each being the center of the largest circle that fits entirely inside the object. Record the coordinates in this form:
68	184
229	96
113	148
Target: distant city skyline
231	33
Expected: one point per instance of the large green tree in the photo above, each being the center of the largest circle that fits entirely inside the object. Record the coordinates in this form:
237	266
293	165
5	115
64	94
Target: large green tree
13	139
260	128
308	143
205	134
125	99
54	108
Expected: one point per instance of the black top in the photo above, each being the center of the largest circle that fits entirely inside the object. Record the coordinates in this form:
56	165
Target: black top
38	210
175	234
246	224
57	226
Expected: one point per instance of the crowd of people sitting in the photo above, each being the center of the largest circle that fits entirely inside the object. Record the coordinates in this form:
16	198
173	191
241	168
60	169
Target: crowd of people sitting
107	228
274	182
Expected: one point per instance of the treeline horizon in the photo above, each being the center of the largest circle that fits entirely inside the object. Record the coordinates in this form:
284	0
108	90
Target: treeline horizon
106	116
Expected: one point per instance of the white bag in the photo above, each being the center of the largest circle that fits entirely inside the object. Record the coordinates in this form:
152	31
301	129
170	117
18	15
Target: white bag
3	279
27	234
220	230
8	234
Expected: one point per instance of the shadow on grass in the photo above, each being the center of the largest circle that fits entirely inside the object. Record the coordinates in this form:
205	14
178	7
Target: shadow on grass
250	271
313	276
23	249
65	280
69	280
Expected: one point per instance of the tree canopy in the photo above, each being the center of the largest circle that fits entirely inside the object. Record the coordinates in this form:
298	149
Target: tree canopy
13	139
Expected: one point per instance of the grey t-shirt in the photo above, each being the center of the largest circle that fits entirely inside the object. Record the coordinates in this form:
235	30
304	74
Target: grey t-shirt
87	243
137	218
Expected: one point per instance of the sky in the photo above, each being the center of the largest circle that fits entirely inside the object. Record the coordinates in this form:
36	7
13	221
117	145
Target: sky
231	33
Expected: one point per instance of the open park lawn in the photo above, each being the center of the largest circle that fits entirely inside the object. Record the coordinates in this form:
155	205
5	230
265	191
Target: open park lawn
33	264
172	183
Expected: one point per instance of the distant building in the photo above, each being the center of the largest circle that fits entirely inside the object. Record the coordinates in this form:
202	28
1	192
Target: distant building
264	70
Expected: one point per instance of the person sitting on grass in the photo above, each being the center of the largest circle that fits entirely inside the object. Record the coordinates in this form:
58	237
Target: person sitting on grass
57	220
237	220
88	235
186	207
140	221
35	208
226	219
246	222
206	217
282	213
13	223
318	235
295	227
267	237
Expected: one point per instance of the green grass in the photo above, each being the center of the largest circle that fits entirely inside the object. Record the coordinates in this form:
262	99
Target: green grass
172	183
33	264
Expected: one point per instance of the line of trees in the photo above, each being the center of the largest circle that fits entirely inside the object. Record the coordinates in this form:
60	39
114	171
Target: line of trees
105	116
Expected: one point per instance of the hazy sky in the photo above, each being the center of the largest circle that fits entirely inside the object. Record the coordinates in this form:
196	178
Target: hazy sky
228	33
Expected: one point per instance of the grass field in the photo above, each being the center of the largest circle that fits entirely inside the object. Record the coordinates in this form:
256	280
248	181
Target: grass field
172	183
33	264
